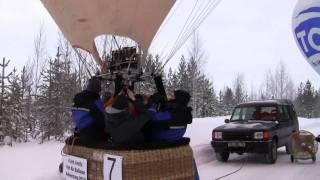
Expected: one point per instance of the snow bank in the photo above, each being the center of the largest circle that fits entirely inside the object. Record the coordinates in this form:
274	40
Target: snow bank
30	161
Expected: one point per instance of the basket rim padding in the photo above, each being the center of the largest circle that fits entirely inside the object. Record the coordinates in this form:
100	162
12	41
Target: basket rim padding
141	146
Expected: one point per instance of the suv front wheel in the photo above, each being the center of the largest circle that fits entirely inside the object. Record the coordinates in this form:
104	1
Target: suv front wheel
271	156
222	156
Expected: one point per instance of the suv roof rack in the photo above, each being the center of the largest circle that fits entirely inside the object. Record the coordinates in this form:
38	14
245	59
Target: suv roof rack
269	101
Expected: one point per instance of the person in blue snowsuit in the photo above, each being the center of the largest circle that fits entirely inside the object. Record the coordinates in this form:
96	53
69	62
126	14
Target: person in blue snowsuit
88	117
169	120
88	114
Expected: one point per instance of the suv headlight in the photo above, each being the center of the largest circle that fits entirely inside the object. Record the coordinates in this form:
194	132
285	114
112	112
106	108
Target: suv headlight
261	135
217	135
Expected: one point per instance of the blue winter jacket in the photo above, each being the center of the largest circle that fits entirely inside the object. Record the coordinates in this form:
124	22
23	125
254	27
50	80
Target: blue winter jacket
82	117
163	127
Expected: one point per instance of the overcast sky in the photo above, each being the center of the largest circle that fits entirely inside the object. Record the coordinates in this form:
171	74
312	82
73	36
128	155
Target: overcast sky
240	36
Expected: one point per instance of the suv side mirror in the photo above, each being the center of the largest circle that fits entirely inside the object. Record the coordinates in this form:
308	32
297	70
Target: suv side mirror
226	121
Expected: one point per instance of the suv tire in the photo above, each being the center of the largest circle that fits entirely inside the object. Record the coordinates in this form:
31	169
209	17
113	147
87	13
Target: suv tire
222	156
271	156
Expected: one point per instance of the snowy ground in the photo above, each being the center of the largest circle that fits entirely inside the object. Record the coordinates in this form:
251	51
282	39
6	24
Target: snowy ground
31	161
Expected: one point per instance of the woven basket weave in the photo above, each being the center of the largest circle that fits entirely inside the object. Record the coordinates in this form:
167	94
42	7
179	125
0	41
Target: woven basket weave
302	145
171	163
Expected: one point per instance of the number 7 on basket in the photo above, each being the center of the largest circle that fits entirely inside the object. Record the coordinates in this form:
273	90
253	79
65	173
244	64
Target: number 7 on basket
112	167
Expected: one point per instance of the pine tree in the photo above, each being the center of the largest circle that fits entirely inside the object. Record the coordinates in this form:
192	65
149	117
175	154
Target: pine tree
29	120
298	102
182	75
308	99
193	75
220	106
45	102
57	90
207	100
15	107
5	116
172	82
316	111
228	101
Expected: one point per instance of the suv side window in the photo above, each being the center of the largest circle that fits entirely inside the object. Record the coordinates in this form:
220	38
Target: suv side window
286	115
291	112
293	116
283	114
236	114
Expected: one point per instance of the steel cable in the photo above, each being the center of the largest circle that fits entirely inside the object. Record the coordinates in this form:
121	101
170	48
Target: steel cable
242	165
212	5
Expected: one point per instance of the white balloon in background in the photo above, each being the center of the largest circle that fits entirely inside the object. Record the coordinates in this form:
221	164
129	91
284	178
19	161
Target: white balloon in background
306	29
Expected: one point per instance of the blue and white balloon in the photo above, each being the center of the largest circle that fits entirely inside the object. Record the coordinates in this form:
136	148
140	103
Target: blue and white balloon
306	28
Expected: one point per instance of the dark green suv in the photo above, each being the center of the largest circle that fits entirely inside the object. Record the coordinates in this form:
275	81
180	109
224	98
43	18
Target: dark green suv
256	127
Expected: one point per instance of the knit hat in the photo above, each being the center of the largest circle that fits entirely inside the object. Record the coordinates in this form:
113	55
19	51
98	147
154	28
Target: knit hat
94	85
182	97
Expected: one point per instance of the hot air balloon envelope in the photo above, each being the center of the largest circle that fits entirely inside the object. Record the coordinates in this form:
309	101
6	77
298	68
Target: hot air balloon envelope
82	20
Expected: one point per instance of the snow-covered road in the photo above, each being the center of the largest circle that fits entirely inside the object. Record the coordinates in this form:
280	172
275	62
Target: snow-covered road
254	165
31	161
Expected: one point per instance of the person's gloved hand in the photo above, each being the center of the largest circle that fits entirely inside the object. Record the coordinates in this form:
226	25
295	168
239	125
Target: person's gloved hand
94	85
130	94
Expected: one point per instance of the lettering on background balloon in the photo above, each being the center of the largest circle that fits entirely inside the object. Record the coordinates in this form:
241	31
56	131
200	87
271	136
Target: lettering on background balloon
308	36
302	37
312	32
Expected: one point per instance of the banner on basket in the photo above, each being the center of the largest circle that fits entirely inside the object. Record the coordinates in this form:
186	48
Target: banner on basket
74	168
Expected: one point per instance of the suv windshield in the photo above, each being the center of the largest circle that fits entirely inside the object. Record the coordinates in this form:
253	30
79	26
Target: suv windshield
267	113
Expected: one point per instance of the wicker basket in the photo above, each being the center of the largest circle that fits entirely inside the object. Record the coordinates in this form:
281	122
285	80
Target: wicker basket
302	145
169	163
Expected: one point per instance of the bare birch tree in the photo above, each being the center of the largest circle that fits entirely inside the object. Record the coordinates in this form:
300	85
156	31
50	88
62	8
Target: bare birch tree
278	84
38	58
239	89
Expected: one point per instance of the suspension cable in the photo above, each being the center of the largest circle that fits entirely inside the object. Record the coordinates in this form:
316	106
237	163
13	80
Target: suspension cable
200	10
174	10
193	25
206	12
196	23
184	29
176	6
83	61
181	33
186	24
